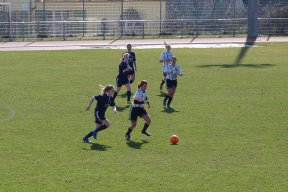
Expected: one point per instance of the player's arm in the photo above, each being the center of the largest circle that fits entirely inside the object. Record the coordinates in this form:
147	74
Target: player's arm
135	66
147	101
180	72
113	104
90	103
162	57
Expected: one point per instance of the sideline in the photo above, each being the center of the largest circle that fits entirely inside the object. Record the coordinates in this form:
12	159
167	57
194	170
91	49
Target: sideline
137	43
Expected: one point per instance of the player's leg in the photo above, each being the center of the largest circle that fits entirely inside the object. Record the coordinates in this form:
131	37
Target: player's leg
171	94
169	87
163	81
90	134
130	129
132	78
128	87
133	118
147	120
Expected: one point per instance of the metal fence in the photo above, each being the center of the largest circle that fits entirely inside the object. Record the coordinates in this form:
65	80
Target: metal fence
21	19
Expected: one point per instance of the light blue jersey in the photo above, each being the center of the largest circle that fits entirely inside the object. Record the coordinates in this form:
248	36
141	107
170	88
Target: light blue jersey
172	72
166	55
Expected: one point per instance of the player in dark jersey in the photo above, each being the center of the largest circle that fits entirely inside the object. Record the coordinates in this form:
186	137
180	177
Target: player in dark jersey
103	101
132	63
122	77
137	110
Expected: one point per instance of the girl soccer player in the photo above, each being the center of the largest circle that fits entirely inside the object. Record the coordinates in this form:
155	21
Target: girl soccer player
132	63
103	101
165	58
172	71
122	78
137	110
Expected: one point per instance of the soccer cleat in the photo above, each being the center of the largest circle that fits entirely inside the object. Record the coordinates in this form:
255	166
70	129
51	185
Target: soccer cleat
169	107
128	102
86	139
128	137
94	134
161	87
146	133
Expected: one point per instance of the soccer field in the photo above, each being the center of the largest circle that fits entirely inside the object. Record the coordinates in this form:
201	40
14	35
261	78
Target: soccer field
231	120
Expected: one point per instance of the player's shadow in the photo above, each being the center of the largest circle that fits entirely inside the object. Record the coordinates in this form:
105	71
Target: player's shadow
136	145
99	147
123	95
162	94
121	109
169	110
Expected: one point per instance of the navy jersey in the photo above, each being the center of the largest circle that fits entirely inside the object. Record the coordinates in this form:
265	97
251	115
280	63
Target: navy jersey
132	59
103	102
122	66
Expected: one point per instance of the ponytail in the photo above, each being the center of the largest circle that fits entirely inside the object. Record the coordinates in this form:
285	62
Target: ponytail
105	89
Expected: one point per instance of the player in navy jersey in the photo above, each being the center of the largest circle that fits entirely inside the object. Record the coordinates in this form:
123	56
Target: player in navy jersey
172	71
165	58
137	110
103	101
132	63
122	78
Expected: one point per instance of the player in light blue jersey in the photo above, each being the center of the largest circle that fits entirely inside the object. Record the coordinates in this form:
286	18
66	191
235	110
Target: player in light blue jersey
171	71
165	58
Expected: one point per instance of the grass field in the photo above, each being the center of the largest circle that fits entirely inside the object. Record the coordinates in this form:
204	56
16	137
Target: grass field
231	120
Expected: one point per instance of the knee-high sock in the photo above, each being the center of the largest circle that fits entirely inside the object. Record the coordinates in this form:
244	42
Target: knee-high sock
128	95
169	100
89	134
129	131
101	128
145	128
165	99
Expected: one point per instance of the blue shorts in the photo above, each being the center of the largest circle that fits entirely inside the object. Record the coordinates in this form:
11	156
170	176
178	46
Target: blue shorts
99	117
120	80
136	112
132	72
171	83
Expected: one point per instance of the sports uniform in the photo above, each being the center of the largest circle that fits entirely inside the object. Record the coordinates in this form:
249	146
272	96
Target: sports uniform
137	107
132	62
103	101
171	75
137	110
122	77
165	55
171	71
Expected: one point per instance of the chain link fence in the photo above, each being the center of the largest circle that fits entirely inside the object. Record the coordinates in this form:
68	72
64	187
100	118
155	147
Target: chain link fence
112	19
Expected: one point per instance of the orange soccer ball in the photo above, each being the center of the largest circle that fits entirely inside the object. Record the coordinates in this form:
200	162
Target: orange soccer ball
174	139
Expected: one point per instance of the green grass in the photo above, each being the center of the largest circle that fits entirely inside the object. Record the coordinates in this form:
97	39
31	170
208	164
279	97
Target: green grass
231	120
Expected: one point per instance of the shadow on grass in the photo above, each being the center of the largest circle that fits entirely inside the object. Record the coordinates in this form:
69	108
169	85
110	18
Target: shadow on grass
237	65
136	145
162	94
250	41
99	147
169	110
121	109
123	95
